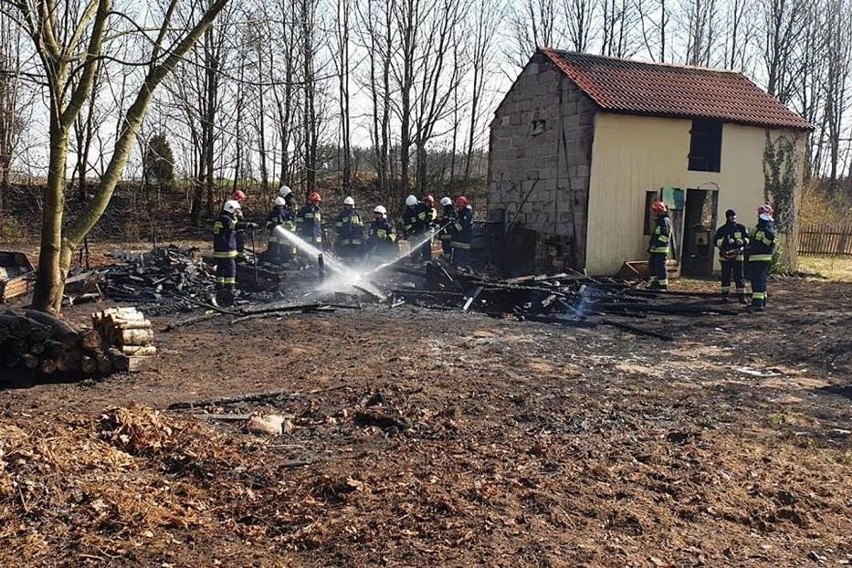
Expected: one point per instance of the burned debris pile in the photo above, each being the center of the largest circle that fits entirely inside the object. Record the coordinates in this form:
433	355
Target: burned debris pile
170	279
573	300
48	345
159	273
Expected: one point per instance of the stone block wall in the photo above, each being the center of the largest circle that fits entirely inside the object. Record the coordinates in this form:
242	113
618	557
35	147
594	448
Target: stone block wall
540	151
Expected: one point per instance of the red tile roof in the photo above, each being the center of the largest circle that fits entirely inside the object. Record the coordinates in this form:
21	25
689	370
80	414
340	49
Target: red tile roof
652	89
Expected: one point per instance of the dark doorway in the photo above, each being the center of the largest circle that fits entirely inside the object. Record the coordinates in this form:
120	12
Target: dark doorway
698	227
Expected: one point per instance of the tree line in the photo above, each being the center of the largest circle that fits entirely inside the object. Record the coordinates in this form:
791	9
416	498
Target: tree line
283	92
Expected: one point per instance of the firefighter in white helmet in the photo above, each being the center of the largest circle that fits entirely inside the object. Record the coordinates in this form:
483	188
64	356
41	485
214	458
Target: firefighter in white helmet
349	230
381	237
279	221
416	222
225	251
448	219
286	193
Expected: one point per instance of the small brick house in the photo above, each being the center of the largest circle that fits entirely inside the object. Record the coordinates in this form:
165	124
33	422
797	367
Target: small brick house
582	144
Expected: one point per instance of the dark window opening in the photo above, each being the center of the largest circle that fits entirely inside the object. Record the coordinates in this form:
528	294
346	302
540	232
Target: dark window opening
705	146
650	220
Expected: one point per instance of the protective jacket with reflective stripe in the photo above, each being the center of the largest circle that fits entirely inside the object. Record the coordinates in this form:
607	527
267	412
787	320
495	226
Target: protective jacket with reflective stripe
349	228
414	220
225	236
723	238
309	223
463	228
448	219
381	236
661	235
762	245
280	216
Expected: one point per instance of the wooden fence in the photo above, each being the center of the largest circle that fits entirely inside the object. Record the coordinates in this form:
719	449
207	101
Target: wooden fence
825	239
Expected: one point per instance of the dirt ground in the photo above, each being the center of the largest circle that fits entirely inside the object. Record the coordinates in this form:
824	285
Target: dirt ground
418	437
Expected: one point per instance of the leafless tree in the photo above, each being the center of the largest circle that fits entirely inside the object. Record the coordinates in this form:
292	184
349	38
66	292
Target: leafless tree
438	74
408	19
837	50
12	121
783	25
343	70
310	116
701	31
739	35
579	23
377	35
653	18
487	16
618	20
68	50
532	24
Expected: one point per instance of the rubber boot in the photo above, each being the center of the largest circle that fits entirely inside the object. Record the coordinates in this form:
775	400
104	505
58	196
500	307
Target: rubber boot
742	299
226	298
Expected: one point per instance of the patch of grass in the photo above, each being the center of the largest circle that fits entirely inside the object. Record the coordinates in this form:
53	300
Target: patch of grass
836	268
843	458
11	229
777	418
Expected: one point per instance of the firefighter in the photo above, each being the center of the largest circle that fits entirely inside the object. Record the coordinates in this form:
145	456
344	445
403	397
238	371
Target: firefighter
429	215
381	237
349	231
289	199
415	224
309	221
731	240
659	246
462	232
225	251
448	219
239	196
280	249
429	202
761	250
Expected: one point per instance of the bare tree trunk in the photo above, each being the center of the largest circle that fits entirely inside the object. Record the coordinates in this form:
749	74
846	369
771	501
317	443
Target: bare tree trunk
51	278
782	21
84	131
211	68
238	130
46	26
343	71
579	15
408	18
488	18
12	122
310	126
838	56
261	125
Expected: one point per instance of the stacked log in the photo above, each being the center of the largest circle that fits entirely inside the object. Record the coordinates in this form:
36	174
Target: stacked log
44	343
48	345
128	334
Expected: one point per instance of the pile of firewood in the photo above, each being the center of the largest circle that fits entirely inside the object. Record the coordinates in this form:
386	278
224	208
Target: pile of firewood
42	342
129	334
46	344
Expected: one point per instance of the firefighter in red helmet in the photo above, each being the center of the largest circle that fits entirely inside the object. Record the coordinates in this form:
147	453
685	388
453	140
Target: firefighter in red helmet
761	250
659	246
462	232
309	220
